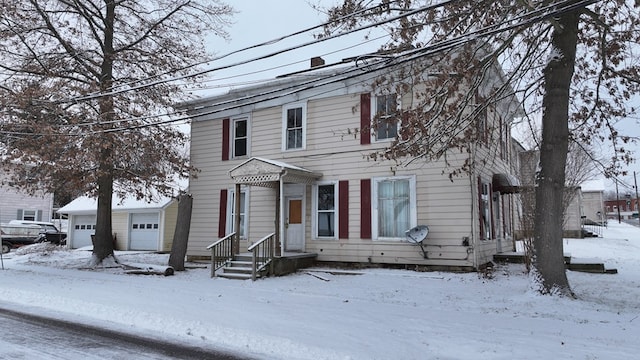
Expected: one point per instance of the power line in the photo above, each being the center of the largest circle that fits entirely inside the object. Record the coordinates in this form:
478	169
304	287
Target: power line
539	14
243	62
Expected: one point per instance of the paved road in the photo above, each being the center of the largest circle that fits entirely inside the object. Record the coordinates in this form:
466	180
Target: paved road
632	222
24	336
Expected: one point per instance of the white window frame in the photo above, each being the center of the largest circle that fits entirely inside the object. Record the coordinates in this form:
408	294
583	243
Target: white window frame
231	203
374	113
413	211
24	213
486	213
285	109
314	206
232	136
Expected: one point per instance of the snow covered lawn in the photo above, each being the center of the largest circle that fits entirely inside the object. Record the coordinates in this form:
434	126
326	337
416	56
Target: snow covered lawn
378	314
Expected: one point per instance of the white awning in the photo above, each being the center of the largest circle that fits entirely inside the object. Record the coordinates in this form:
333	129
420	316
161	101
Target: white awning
268	173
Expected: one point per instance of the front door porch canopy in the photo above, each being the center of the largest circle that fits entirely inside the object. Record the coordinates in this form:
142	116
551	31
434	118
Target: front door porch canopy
269	173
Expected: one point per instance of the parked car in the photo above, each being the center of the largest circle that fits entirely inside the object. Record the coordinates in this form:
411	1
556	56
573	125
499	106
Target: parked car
15	235
48	231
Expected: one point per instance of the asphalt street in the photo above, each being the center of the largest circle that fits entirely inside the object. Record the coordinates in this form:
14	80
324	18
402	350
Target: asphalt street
27	336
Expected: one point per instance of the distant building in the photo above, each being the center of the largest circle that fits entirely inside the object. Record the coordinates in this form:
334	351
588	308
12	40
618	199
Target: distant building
18	205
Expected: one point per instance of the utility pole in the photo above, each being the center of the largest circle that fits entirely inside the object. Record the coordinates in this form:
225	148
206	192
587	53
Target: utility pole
635	181
618	202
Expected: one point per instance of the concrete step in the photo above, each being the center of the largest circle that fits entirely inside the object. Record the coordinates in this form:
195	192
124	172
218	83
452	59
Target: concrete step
235	276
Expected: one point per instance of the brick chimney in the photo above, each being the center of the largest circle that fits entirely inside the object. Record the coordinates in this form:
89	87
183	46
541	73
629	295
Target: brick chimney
317	61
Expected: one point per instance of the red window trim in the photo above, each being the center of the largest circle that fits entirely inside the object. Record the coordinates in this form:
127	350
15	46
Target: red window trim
365	209
343	208
365	119
226	125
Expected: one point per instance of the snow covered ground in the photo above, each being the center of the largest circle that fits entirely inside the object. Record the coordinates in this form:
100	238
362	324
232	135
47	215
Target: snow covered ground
378	314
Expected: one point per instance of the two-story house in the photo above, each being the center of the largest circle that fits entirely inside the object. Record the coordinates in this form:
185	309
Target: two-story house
289	158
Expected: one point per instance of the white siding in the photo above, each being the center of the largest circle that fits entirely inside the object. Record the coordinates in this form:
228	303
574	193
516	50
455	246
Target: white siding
13	200
447	206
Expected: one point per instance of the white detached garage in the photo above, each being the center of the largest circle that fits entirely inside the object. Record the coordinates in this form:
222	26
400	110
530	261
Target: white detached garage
137	224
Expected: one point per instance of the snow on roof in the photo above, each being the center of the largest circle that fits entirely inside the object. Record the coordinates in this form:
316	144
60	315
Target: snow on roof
85	204
593	185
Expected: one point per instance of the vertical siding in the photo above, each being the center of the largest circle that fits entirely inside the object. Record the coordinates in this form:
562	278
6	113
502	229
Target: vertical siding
168	220
120	227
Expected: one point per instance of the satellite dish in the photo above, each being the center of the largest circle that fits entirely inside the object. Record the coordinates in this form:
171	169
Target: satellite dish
417	235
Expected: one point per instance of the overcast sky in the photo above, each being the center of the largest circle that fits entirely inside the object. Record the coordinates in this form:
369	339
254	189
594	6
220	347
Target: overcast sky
261	21
265	20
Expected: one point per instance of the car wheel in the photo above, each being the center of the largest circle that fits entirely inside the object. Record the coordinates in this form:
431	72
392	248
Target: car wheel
6	247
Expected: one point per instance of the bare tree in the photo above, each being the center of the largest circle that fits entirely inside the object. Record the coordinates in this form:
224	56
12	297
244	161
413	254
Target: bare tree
567	60
84	94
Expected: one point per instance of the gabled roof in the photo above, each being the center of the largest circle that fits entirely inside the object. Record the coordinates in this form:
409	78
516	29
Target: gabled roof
264	172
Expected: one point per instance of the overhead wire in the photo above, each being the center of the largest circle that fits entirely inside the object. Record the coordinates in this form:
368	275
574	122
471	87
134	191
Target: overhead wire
539	14
131	86
448	44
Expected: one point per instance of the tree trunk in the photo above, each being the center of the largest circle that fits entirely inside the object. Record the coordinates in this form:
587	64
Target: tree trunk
103	240
181	234
548	261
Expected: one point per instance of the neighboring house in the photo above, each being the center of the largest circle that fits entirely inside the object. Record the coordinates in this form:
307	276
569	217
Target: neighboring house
17	205
301	173
593	210
137	224
572	224
584	201
626	208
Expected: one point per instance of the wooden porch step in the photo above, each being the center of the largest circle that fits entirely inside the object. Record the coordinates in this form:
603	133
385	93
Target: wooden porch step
595	266
517	257
239	268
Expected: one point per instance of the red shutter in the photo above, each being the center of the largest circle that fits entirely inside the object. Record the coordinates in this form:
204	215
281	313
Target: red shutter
225	139
222	219
365	209
365	119
343	209
480	208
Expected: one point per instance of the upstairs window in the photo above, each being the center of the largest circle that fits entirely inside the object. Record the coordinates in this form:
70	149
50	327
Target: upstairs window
240	137
385	117
294	127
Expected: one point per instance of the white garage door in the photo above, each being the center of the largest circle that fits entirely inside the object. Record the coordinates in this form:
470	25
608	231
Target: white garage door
144	231
84	226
